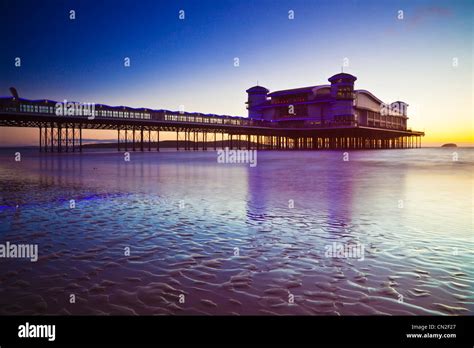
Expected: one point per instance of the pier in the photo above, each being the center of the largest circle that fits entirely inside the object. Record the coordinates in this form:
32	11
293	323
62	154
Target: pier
140	129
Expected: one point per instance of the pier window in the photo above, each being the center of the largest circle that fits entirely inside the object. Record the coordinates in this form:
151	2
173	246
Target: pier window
289	99
345	93
43	109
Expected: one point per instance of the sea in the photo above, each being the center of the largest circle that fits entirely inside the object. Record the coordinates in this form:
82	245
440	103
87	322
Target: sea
367	232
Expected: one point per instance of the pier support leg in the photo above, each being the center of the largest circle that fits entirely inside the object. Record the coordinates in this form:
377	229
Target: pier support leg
52	137
133	138
73	138
59	137
40	139
126	139
45	139
67	138
158	140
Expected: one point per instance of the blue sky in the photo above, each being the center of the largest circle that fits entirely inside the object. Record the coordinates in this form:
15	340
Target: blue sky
190	62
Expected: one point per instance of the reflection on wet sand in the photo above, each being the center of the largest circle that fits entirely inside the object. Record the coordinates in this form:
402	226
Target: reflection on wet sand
178	233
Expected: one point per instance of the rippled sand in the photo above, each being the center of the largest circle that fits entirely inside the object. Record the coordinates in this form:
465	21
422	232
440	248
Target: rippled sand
209	238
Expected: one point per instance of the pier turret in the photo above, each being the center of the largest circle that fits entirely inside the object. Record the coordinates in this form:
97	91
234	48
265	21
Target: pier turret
342	92
257	96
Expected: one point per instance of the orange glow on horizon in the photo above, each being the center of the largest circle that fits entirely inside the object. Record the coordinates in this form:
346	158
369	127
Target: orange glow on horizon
13	136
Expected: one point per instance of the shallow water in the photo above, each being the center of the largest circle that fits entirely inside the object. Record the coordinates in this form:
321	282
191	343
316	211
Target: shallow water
239	240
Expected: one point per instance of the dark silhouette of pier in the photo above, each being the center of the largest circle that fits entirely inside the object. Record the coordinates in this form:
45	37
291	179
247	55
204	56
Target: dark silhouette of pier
139	129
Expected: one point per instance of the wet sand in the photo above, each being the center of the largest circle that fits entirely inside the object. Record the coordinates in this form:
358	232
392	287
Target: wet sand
210	238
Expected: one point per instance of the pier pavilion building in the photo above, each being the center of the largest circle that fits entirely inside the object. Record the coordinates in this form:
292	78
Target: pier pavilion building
329	105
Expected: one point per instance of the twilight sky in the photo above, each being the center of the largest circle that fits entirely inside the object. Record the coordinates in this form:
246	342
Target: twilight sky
190	62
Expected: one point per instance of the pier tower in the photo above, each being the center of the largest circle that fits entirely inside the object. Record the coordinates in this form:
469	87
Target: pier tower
343	96
257	96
